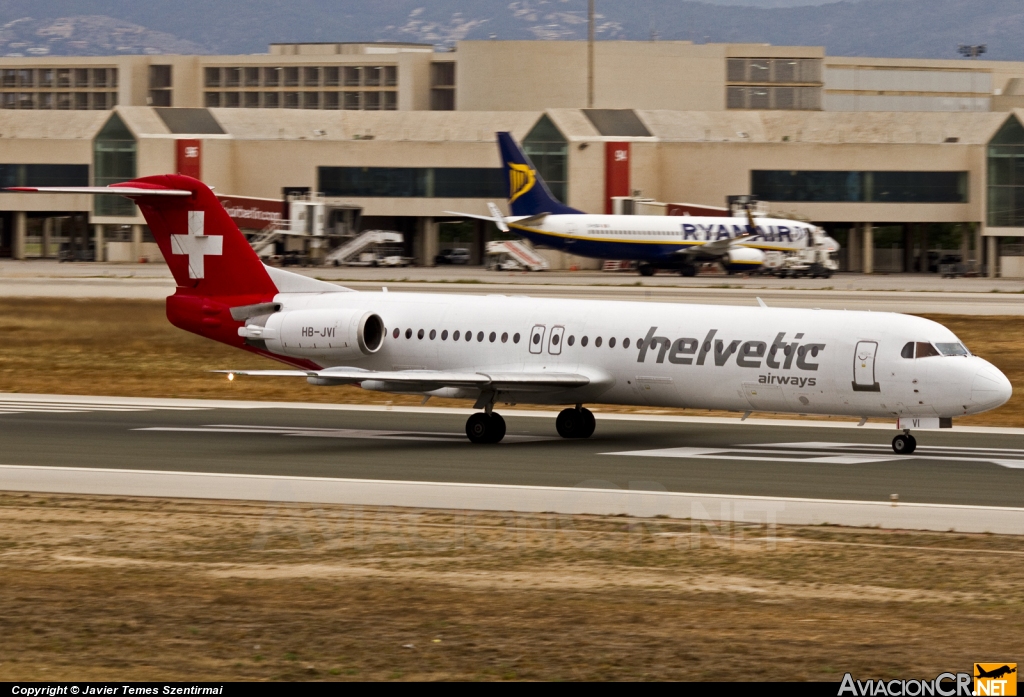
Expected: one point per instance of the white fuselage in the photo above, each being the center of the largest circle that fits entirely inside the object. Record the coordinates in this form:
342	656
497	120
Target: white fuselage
653	237
673	355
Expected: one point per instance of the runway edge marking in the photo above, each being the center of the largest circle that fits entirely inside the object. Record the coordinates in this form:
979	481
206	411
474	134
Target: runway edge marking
514	498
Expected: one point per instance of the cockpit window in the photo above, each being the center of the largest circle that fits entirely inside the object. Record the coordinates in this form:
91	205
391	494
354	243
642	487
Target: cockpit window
924	349
953	349
908	350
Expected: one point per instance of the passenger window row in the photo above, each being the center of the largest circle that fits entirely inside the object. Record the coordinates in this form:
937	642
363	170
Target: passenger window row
493	336
456	335
597	342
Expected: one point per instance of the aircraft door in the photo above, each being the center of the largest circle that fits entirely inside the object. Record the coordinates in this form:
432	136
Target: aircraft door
537	338
864	367
555	341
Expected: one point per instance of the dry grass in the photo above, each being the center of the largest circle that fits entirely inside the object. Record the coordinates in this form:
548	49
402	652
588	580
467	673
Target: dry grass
128	348
100	588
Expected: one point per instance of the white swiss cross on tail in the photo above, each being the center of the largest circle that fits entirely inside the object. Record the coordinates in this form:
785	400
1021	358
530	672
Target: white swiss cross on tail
197	244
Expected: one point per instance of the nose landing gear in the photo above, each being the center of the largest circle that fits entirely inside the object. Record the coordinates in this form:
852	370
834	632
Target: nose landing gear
904	444
485	428
575	422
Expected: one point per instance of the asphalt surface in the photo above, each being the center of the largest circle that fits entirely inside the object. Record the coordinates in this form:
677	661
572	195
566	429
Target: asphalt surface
950	467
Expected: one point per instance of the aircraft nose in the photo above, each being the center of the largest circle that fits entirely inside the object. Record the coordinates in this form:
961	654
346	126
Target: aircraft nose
990	388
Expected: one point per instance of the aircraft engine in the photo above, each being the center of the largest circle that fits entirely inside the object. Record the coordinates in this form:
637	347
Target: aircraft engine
739	258
342	334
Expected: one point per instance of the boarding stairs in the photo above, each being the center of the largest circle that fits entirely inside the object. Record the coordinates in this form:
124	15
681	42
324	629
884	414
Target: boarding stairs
361	243
267	237
521	253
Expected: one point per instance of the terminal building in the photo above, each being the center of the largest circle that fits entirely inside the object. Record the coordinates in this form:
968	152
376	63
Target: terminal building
903	161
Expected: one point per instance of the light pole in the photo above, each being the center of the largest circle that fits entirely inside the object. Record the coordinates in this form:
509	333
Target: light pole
590	54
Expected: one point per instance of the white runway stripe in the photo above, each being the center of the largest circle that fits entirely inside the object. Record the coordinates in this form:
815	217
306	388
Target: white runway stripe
835	454
364	434
13	405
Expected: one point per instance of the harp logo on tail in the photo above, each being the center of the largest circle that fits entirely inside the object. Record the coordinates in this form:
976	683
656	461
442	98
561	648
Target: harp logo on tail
521	179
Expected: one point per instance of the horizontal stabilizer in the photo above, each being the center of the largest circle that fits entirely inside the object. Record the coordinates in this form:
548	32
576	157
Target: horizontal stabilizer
114	189
499	221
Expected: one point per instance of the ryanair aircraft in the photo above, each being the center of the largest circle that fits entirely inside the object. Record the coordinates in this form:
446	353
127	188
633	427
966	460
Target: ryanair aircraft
655	241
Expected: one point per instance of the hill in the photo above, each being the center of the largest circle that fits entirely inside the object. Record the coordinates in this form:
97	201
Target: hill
889	28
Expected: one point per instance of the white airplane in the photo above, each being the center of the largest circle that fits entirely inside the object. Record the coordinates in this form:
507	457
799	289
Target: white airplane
497	349
655	241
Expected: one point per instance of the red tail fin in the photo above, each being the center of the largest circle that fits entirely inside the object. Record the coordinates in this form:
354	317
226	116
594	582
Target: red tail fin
201	244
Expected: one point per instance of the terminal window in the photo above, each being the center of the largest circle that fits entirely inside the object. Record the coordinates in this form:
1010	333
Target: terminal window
1006	176
412	182
31	88
830	186
114	158
44	175
774	70
773	97
548	149
160	85
773	83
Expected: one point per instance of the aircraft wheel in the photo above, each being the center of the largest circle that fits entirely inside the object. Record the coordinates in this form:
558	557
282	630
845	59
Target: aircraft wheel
497	428
570	423
589	423
904	445
481	428
688	271
646	270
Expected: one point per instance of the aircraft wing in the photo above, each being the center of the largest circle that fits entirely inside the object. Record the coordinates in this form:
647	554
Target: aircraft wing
426	380
499	220
713	250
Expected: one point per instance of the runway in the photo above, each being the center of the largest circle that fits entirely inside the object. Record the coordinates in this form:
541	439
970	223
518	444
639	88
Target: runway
812	461
909	293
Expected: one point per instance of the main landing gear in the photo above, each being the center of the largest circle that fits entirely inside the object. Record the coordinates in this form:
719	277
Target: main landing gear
485	428
904	444
575	422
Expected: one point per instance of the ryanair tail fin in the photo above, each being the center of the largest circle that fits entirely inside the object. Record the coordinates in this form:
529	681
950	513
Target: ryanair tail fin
527	192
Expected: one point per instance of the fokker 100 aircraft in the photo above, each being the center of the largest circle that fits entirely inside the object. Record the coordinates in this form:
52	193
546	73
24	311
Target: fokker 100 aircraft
655	241
497	349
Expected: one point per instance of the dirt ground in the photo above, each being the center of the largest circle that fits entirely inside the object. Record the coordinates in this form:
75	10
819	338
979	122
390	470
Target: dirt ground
100	588
128	348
